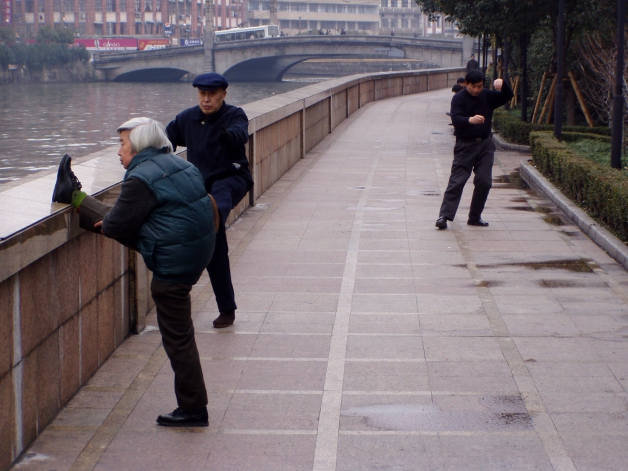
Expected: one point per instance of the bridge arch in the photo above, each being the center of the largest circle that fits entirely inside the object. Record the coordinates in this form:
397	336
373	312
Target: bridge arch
264	69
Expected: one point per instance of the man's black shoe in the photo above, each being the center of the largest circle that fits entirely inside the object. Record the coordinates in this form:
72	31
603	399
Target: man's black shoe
441	222
182	418
477	222
66	183
225	319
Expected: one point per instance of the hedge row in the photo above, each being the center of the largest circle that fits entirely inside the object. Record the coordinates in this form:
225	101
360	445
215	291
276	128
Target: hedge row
602	191
518	132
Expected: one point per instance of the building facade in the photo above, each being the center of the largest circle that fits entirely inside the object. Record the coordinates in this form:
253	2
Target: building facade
296	16
405	17
186	18
106	18
354	16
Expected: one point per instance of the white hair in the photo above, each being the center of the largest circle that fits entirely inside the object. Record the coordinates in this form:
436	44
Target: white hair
145	133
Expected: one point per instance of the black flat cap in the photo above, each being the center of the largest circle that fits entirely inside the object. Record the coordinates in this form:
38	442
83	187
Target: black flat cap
210	81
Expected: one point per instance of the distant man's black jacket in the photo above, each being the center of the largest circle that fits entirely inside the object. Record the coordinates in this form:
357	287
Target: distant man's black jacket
464	105
201	135
472	64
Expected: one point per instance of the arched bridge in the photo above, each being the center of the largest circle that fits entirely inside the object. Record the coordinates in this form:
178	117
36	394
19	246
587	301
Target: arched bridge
267	60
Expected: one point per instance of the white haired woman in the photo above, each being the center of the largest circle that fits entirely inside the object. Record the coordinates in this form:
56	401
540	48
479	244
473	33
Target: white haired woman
164	213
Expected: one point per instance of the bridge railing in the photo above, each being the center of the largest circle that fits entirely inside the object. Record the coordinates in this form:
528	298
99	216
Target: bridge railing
68	297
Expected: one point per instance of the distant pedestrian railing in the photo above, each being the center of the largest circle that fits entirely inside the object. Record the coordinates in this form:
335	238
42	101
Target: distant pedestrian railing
68	297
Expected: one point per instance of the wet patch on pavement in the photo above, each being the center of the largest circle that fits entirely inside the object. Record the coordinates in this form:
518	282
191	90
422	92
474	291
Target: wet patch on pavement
570	284
577	266
521	208
500	413
513	180
488	283
554	220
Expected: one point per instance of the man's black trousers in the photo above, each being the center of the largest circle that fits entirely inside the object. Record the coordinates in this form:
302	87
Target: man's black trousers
469	155
174	317
227	192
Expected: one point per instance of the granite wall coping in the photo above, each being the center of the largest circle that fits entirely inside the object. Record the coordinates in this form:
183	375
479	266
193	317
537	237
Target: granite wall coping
26	203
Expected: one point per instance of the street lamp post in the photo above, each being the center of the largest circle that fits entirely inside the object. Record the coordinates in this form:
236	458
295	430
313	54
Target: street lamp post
560	59
618	98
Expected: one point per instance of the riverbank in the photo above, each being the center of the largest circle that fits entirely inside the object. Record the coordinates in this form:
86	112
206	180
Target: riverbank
74	72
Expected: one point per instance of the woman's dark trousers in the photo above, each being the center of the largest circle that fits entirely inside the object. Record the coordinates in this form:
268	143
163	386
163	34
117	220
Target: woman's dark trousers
174	316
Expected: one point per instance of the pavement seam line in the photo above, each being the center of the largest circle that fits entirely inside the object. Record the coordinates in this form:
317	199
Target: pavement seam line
541	419
543	423
276	201
326	451
96	447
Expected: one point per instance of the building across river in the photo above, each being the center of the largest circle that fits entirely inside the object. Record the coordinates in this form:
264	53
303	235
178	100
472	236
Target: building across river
183	20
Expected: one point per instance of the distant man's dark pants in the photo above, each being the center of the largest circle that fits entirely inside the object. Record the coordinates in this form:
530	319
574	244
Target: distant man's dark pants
469	155
227	192
174	317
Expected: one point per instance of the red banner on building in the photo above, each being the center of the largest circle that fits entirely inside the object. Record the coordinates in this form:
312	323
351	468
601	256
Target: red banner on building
108	44
6	12
148	44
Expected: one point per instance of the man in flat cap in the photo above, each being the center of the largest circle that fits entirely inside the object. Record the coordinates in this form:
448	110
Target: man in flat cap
214	134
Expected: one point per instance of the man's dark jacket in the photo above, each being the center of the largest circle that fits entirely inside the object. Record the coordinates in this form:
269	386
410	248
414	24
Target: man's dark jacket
464	105
212	155
177	237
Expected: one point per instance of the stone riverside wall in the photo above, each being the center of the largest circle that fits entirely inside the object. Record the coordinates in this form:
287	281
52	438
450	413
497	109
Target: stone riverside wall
78	71
68	297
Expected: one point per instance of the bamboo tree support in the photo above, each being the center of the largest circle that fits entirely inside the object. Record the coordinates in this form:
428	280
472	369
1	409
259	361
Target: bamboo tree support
539	97
583	104
515	89
548	100
548	120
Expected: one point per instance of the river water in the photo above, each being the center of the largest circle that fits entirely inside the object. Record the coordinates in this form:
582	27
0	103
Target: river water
41	122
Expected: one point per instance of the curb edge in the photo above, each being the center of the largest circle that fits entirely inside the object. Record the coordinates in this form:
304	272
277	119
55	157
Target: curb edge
602	237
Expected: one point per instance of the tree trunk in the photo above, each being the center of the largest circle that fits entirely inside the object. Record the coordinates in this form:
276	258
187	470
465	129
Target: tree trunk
485	53
506	54
524	77
570	103
495	59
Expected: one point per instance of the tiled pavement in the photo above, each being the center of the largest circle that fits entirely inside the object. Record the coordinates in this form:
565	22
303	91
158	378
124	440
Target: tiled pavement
368	340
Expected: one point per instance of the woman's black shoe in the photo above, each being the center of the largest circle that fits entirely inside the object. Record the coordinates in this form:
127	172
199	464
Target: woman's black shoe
66	183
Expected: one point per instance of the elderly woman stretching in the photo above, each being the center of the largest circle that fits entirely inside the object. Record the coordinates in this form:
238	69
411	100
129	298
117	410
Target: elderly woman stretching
164	213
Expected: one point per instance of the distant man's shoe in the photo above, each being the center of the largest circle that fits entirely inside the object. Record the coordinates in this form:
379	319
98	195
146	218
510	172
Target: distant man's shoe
225	319
183	418
477	222
67	183
441	222
447	113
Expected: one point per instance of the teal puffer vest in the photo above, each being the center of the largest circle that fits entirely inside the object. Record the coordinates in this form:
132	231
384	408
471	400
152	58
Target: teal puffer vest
177	239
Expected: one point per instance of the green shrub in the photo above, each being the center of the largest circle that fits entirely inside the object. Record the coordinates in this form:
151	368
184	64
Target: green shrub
518	132
590	146
600	190
6	56
40	55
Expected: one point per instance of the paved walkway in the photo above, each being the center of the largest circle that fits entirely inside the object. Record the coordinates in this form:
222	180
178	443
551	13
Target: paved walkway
368	340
